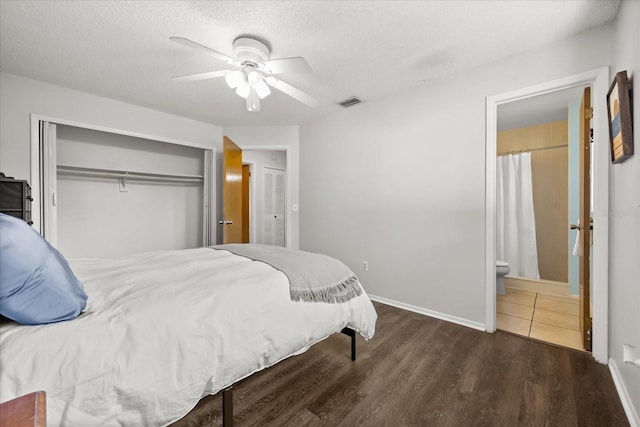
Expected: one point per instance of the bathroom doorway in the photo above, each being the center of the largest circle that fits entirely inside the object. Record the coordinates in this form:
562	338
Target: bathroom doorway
536	201
597	79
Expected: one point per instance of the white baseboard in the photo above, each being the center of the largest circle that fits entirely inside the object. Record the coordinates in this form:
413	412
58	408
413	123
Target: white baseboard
627	403
424	311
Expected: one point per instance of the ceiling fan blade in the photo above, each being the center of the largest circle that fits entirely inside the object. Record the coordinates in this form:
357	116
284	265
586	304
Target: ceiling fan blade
202	48
201	76
292	91
287	65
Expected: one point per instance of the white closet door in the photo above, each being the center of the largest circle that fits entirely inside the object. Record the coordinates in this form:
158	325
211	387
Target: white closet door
273	215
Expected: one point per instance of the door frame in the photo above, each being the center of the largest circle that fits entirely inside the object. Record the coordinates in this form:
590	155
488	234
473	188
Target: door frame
598	79
252	200
288	184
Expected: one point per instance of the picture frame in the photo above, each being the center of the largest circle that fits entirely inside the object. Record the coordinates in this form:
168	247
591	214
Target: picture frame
620	121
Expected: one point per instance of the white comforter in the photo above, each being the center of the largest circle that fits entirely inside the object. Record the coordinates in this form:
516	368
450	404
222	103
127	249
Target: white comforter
160	331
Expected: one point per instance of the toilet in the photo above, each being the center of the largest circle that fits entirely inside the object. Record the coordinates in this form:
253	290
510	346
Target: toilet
502	269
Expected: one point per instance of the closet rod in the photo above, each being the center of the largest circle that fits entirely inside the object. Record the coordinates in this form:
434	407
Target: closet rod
133	176
553	147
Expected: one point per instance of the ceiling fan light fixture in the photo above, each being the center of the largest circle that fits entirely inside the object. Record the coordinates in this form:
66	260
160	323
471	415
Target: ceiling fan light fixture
243	90
253	77
234	79
253	80
253	100
262	89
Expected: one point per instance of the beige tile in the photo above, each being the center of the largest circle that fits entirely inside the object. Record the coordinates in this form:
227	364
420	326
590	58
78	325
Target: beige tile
519	291
555	335
559	306
537	285
558	298
517	296
515	310
554	318
512	324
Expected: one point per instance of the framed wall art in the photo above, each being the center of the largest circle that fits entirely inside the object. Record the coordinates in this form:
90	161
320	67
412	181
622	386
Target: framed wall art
620	126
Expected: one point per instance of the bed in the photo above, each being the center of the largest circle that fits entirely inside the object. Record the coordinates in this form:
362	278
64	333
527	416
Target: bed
162	330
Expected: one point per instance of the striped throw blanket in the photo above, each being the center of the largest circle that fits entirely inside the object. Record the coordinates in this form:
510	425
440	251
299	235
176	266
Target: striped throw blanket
312	277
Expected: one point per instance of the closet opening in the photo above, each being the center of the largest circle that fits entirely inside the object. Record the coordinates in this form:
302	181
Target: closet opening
102	192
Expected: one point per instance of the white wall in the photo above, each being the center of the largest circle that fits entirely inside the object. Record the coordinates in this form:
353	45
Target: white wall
400	182
96	219
104	150
278	138
624	214
22	97
259	160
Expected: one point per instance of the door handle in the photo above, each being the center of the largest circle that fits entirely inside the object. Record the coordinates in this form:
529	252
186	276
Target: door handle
225	222
577	227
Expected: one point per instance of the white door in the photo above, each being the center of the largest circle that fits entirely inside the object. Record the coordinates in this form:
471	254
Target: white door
273	212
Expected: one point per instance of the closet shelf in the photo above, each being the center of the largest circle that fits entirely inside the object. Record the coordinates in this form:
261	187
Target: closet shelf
67	170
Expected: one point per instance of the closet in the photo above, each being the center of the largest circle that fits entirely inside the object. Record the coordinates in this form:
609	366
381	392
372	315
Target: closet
273	218
108	194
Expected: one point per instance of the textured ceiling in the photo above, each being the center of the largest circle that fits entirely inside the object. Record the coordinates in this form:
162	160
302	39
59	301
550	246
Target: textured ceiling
371	49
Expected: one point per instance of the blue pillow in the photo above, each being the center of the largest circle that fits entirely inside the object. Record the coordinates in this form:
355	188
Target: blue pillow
36	283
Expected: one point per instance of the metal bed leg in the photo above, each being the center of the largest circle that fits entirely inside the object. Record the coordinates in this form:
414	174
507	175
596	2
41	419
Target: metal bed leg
227	394
227	407
351	333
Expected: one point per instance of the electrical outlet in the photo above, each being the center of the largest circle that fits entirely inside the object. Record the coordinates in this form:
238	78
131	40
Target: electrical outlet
365	265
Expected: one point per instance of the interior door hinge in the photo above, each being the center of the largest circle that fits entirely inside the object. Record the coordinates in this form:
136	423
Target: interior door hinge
588	113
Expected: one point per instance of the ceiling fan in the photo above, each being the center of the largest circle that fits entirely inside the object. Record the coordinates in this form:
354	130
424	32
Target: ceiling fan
254	72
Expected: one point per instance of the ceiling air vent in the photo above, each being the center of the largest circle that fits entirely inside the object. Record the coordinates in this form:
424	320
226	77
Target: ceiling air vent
350	102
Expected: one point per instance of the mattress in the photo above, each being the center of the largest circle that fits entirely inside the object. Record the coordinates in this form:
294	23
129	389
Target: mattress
160	331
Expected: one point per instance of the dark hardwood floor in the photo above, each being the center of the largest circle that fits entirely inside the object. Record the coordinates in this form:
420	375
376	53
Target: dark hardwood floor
420	371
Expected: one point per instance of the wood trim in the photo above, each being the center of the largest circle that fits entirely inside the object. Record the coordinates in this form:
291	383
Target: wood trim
246	176
585	219
29	410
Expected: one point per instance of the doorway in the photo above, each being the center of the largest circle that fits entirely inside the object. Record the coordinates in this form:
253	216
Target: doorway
267	196
538	194
261	190
598	80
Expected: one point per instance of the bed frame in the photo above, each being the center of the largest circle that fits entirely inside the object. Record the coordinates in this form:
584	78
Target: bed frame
227	394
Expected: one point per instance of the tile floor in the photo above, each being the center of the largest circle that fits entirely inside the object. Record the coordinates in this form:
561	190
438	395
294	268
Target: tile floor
545	317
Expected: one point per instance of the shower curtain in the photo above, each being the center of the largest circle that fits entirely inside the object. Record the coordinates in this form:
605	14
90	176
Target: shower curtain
515	220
